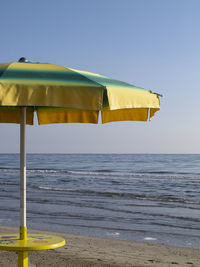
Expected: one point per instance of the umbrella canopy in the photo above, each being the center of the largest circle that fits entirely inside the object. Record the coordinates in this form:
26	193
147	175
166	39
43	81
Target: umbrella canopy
64	95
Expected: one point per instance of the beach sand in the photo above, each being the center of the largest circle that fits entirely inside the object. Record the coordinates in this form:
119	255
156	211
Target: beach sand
82	251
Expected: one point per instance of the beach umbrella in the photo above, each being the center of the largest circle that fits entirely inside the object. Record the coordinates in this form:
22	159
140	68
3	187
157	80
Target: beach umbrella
59	94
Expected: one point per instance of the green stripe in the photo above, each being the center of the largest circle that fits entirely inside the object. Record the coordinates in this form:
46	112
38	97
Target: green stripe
62	76
52	76
2	70
105	81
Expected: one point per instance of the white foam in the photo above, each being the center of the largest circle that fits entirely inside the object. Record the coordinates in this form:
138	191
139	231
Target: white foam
150	238
113	234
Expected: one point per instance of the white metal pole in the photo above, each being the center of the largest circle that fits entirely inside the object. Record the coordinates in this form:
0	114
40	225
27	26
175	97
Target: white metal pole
23	173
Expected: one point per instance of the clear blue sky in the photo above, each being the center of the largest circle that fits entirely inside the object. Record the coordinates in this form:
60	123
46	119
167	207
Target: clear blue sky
154	44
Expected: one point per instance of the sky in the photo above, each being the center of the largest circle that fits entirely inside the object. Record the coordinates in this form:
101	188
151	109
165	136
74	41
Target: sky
154	44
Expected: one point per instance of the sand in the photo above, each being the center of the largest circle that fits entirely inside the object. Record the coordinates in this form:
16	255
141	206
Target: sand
82	251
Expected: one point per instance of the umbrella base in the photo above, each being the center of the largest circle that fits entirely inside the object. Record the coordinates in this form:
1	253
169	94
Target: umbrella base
32	242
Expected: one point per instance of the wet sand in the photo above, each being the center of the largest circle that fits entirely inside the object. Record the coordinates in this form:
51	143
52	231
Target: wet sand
82	251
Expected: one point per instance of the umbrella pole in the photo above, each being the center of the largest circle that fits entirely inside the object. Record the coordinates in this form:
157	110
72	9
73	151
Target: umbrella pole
23	255
23	230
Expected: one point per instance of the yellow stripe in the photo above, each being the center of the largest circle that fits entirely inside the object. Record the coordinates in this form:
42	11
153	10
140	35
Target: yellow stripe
120	98
137	114
55	96
88	73
40	66
153	111
61	115
12	115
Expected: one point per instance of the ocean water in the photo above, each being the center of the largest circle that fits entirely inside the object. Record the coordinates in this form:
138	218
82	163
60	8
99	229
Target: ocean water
139	197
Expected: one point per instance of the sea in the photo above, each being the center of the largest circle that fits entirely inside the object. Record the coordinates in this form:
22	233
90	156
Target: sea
140	197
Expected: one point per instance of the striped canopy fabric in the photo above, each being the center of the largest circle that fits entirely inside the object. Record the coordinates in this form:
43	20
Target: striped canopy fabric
64	95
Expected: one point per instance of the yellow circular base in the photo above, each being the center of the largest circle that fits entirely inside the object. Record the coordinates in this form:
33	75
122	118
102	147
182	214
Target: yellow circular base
33	242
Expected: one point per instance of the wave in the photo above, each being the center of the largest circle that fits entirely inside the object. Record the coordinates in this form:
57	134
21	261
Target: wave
9	169
5	183
108	194
133	174
109	172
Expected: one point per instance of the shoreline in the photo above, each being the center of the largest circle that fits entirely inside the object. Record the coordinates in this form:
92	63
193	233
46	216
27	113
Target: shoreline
82	251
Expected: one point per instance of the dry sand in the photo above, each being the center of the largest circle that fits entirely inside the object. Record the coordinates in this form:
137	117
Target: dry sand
82	251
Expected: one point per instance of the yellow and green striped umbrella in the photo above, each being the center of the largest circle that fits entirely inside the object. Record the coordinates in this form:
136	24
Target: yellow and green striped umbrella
60	95
63	95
